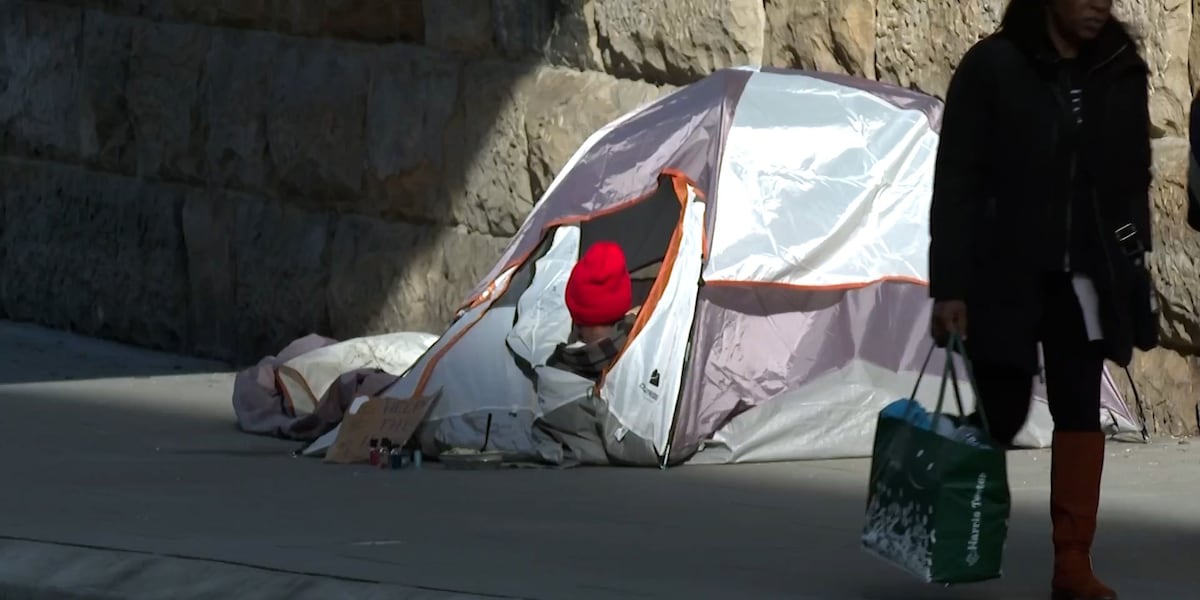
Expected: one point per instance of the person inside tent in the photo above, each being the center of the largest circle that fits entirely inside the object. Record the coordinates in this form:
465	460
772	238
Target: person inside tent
599	296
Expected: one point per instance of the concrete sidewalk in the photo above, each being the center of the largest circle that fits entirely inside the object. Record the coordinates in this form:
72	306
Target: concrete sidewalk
123	477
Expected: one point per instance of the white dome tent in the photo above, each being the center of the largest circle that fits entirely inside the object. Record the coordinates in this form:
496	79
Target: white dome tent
780	220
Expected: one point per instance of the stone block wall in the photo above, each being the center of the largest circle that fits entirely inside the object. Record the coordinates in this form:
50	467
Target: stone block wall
218	177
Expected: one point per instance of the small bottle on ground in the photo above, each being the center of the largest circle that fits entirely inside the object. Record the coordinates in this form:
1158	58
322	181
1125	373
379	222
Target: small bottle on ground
385	453
373	457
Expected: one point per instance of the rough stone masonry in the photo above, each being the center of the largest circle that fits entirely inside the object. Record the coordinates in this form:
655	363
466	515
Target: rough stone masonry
217	177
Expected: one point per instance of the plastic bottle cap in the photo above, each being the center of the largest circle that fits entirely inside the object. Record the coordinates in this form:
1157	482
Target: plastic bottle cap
373	442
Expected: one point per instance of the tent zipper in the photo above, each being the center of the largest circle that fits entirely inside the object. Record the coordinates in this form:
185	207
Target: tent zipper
1094	196
1070	201
1074	165
1064	105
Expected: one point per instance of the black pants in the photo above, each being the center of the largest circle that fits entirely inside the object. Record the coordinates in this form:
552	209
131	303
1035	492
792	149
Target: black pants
1073	367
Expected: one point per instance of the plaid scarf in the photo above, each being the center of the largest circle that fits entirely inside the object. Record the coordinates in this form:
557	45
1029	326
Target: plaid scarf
590	360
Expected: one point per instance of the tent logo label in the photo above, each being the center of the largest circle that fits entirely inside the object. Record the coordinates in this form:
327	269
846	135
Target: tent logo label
649	392
653	382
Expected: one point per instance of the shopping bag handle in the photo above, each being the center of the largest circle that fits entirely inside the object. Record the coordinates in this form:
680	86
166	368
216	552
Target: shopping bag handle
958	342
920	376
896	457
950	375
901	461
947	369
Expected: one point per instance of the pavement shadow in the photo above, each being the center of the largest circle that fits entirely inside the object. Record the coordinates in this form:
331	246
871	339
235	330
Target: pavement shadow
30	354
745	531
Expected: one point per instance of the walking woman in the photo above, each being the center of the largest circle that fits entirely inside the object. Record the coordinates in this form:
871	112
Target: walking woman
1040	225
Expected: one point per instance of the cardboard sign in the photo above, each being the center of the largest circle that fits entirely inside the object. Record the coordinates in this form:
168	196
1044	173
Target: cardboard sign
393	418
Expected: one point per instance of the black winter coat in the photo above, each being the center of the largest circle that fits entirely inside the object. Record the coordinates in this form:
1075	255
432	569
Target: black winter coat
1193	182
1008	151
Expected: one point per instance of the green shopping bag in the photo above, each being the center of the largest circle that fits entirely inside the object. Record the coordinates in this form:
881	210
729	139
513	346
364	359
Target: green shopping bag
936	507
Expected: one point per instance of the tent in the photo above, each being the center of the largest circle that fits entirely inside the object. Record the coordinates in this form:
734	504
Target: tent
776	226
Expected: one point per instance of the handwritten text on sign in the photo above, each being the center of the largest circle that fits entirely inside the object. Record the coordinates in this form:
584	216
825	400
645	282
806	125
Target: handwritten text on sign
395	419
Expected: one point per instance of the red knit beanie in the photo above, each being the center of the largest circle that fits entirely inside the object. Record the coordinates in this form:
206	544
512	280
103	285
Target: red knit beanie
599	291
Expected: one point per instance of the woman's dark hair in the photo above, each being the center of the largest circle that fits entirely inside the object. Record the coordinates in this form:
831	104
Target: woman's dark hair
1026	19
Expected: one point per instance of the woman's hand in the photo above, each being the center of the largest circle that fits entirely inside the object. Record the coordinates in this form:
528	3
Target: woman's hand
949	316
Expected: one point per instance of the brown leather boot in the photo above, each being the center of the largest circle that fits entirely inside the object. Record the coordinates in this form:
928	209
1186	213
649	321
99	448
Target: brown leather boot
1076	465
